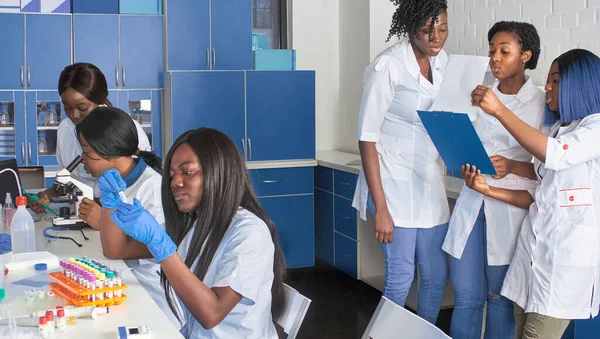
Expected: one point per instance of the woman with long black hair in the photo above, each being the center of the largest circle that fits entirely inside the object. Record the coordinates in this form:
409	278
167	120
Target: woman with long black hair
219	253
109	141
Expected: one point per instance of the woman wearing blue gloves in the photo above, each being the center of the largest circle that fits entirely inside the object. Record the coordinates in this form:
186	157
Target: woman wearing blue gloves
219	252
109	142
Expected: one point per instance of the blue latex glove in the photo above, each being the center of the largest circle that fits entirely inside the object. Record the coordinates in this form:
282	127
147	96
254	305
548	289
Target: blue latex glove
109	184
141	226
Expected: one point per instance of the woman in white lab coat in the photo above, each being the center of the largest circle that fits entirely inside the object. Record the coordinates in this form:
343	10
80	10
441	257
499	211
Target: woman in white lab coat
220	254
555	271
82	87
109	140
483	231
402	175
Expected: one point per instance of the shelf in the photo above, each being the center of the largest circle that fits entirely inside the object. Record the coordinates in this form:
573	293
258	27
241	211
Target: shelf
9	128
47	128
146	125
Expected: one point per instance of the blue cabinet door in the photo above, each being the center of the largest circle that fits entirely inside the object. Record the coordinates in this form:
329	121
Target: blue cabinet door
188	34
96	40
324	226
280	115
123	101
13	138
12	57
294	219
142	60
231	34
48	49
208	99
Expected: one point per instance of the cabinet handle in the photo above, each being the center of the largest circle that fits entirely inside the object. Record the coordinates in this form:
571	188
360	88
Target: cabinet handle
243	145
272	181
28	76
250	149
123	75
23	152
207	59
345	254
345	183
345	217
117	76
29	152
22	77
214	58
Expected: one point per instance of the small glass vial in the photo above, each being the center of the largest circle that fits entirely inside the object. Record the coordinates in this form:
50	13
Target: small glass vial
50	322
61	321
51	118
118	293
42	144
43	327
109	283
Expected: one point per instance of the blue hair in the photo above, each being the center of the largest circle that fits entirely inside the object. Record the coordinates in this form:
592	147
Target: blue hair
579	86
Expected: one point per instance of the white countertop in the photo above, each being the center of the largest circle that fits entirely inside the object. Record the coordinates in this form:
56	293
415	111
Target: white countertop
138	309
350	162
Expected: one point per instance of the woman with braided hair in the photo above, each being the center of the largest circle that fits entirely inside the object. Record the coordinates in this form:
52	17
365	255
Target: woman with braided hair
402	177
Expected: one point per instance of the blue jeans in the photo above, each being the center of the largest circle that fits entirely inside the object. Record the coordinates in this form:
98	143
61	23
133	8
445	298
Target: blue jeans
475	282
424	245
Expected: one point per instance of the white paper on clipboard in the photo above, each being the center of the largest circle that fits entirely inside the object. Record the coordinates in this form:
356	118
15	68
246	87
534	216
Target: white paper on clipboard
463	73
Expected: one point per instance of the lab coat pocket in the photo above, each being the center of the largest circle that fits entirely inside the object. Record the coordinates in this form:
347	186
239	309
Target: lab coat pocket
397	157
576	246
576	206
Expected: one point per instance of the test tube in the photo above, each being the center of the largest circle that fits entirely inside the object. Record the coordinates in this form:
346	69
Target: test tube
92	286
50	321
122	196
110	283
118	293
100	285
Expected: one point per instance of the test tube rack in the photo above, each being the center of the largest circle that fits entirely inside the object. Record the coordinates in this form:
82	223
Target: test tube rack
77	295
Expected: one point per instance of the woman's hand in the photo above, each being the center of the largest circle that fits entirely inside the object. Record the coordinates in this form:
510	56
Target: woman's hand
384	226
36	206
89	211
109	184
474	180
502	166
485	98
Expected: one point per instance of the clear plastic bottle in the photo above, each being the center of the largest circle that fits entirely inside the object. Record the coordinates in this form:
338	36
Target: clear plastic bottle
23	229
4	117
42	144
8	210
51	117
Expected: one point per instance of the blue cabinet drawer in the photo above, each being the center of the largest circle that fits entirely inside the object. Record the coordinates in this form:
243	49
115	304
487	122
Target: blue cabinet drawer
324	178
344	183
324	226
345	217
282	181
346	255
96	7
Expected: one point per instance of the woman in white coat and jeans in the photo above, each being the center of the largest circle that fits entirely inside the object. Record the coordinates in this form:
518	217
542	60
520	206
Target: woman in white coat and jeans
555	271
402	176
483	231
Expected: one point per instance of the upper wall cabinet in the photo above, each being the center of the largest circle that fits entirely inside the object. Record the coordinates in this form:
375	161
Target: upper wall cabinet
127	49
36	48
209	34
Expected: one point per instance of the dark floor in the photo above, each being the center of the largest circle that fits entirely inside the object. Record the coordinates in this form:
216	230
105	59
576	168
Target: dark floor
341	306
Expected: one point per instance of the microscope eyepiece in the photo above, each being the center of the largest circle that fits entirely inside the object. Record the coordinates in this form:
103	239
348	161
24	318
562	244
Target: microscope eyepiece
74	164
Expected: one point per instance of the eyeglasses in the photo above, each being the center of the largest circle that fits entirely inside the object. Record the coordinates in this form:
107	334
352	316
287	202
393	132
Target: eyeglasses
57	228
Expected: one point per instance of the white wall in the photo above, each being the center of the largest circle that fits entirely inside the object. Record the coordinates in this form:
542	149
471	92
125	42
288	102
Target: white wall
315	37
364	26
561	24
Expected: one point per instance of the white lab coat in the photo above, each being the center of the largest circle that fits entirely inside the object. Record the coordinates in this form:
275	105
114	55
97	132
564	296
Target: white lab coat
410	167
147	189
68	148
244	262
503	220
556	266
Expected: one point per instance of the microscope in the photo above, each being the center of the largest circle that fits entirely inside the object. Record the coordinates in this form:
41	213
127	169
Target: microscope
70	190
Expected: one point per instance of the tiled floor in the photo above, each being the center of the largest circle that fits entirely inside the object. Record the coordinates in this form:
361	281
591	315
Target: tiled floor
341	306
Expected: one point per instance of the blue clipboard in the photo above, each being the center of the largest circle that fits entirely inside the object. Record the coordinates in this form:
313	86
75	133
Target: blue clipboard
456	140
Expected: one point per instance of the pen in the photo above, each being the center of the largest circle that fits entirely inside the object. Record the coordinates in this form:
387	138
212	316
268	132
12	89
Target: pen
36	198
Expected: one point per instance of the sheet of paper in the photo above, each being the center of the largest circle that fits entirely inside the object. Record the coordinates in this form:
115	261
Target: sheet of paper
462	75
